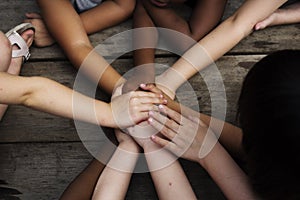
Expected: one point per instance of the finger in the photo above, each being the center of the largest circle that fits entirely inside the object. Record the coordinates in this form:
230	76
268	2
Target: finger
165	121
33	15
148	100
27	20
145	94
139	117
143	108
170	146
178	118
151	87
164	130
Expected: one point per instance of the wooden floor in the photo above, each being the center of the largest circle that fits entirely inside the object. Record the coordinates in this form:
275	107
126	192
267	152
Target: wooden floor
40	154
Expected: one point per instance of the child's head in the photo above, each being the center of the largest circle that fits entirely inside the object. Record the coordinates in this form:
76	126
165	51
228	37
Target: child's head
5	52
269	114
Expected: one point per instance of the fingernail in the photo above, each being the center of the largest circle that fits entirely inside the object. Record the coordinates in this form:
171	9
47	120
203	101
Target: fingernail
165	101
151	113
161	96
161	106
153	137
142	85
150	120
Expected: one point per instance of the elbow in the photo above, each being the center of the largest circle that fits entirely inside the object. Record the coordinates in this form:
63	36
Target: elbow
241	26
28	97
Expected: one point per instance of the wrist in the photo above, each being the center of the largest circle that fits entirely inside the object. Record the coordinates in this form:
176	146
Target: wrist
150	146
163	83
130	146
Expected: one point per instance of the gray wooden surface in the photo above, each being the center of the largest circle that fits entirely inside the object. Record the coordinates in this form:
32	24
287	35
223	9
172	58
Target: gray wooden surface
40	154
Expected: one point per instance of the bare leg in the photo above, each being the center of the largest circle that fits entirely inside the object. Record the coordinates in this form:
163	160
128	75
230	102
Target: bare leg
287	15
12	65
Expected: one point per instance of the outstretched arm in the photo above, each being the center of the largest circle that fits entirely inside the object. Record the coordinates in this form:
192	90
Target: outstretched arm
166	172
110	183
115	178
144	35
230	135
170	181
213	45
49	96
67	28
287	15
193	140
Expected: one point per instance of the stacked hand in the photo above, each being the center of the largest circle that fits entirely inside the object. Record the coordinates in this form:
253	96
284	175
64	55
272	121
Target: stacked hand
133	107
187	137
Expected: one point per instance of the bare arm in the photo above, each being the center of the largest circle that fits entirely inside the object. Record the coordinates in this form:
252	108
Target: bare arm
218	42
193	140
67	28
286	15
144	71
170	181
83	185
230	135
166	172
47	96
107	14
51	97
115	178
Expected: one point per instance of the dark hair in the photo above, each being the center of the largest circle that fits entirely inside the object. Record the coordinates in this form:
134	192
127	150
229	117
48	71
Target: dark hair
269	115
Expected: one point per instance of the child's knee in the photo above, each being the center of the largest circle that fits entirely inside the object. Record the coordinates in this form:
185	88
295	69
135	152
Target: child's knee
5	52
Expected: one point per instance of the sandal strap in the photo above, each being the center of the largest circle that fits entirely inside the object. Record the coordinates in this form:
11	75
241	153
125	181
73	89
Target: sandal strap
16	39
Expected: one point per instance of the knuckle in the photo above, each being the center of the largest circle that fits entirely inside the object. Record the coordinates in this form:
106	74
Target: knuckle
168	133
134	100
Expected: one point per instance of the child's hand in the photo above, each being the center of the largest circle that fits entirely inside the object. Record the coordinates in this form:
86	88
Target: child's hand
141	133
126	142
132	108
184	136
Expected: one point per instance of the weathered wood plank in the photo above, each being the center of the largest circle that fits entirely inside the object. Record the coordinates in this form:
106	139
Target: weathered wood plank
22	124
43	171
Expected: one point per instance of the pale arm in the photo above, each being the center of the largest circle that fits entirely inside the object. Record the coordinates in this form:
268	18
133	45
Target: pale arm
115	178
166	172
286	15
189	139
227	174
230	135
51	97
170	181
218	42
